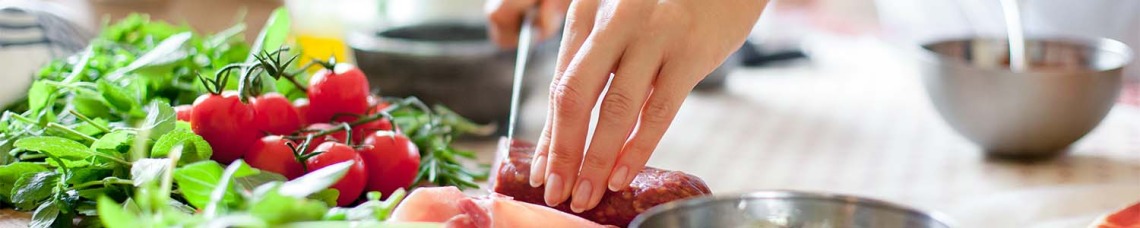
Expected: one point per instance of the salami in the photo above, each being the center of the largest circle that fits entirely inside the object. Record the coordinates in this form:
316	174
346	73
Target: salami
650	188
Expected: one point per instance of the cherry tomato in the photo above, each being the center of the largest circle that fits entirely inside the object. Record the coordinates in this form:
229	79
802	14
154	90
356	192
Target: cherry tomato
302	106
272	153
344	90
360	132
183	112
224	121
275	114
352	184
392	155
317	141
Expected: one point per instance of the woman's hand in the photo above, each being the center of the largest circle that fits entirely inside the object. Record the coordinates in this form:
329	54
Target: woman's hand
656	51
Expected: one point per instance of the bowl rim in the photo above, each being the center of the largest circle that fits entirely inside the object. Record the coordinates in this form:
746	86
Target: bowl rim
793	194
1102	44
366	40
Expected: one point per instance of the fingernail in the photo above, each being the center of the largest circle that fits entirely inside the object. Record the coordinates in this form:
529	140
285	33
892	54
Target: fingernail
537	169
553	189
617	180
581	196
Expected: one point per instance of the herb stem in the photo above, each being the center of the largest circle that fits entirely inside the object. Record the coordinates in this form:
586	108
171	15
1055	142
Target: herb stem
71	131
25	157
24	119
88	120
104	182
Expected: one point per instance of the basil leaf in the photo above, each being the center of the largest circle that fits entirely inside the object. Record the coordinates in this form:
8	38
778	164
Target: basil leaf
148	169
33	189
315	181
194	147
11	173
45	215
113	215
160	119
56	146
198	180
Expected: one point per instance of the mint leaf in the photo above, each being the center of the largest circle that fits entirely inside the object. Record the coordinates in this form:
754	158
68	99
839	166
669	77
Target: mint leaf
11	173
194	147
32	189
62	148
113	215
315	181
198	180
160	119
148	169
45	215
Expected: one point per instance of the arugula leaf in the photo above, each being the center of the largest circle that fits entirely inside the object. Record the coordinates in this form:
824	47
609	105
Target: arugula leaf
33	189
11	173
56	146
113	215
160	119
148	170
315	181
198	180
45	215
194	147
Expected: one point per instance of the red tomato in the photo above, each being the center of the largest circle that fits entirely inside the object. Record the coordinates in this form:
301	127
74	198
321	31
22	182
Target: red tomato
273	154
394	156
275	114
360	132
317	141
224	121
344	90
352	184
183	112
302	106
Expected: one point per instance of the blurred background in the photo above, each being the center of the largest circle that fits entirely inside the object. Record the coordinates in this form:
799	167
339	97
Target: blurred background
827	95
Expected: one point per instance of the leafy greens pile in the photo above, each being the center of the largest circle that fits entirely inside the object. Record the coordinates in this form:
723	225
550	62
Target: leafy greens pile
98	141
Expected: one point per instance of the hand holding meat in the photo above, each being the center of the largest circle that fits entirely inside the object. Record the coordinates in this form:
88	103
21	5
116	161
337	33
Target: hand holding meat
656	50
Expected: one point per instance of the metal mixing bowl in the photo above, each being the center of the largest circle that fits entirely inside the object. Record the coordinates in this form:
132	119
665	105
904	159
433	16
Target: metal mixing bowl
1070	85
785	209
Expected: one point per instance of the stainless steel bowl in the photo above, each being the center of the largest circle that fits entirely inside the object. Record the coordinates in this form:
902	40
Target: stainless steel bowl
785	209
1070	86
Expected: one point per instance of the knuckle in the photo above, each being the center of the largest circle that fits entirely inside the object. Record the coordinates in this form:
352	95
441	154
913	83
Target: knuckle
568	100
617	103
564	158
595	163
657	113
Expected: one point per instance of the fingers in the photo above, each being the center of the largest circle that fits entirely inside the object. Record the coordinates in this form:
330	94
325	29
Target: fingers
550	16
505	17
578	26
574	96
669	92
617	117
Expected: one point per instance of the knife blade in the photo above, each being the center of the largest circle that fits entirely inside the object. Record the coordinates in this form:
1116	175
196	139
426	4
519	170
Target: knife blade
525	39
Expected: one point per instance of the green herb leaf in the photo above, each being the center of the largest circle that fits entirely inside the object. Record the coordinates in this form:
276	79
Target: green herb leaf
117	97
91	173
56	146
249	183
276	209
273	34
32	189
217	196
45	215
116	141
11	173
160	119
90	106
315	181
148	170
167	52
194	147
198	180
328	196
39	96
113	215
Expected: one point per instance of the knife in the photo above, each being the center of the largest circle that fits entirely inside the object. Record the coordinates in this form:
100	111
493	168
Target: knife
525	39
